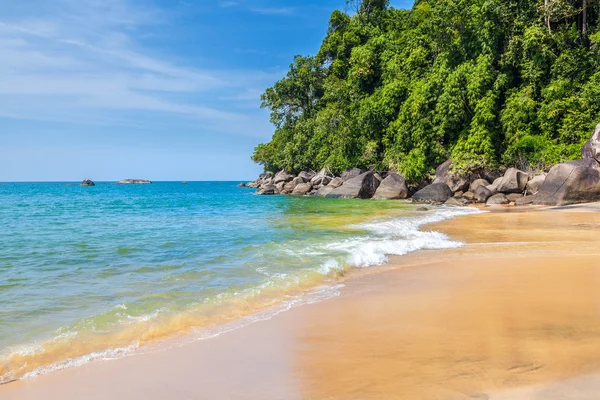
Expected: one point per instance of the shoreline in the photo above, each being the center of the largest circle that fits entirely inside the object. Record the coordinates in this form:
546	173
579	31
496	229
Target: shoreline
359	284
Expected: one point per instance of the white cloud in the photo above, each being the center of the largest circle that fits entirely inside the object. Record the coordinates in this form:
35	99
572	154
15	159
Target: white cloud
82	61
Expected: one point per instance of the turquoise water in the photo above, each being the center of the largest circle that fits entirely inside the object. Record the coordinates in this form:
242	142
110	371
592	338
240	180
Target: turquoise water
92	271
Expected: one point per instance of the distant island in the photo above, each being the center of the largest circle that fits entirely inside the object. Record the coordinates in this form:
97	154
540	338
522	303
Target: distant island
134	182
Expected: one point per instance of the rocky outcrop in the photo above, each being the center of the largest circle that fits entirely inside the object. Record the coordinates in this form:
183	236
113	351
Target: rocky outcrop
434	193
513	197
363	186
534	184
134	182
476	183
592	148
88	182
482	194
323	177
268	189
351	173
514	181
282	176
302	189
497	199
391	188
494	186
457	201
336	182
444	174
306	176
325	190
570	183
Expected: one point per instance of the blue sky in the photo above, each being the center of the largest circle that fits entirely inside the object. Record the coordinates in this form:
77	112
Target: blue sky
156	89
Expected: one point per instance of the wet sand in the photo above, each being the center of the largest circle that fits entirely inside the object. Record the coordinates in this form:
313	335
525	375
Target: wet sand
515	314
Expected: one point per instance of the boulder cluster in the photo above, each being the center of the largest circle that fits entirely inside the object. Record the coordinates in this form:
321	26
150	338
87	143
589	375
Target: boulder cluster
354	183
575	181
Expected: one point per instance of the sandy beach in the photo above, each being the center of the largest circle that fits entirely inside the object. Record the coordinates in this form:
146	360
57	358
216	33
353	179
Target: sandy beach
514	314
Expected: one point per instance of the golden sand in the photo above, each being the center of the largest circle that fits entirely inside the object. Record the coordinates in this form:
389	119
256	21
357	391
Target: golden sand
464	323
515	314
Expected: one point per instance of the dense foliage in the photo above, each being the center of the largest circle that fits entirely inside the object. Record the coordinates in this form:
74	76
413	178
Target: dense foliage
484	82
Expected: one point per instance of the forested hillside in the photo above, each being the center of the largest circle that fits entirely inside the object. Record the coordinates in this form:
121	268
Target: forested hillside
484	82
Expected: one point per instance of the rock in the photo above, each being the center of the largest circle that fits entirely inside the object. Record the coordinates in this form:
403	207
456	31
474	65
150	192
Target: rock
306	176
443	174
242	185
363	186
434	193
282	176
476	183
265	175
585	162
302	188
378	177
491	176
252	185
569	183
268	190
534	184
514	181
592	148
468	195
323	177
459	194
88	182
513	197
351	173
325	190
525	201
289	187
482	194
336	182
457	201
494	186
280	187
421	209
391	188
497	199
134	182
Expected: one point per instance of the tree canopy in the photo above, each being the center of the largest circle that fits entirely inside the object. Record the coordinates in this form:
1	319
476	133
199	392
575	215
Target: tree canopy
484	82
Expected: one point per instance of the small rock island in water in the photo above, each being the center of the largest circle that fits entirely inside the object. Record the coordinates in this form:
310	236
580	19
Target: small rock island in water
88	182
134	182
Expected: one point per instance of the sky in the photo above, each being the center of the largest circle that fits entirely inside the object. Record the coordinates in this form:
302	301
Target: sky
150	89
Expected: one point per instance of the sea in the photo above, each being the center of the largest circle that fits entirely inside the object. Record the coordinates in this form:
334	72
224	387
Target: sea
89	273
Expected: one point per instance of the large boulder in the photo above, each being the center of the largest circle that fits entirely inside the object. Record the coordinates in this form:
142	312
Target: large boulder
476	183
392	187
88	182
363	186
569	183
268	190
457	201
514	181
306	176
325	190
434	193
592	148
494	186
323	177
497	199
336	182
282	176
482	194
351	173
289	187
444	174
534	184
302	189
280	187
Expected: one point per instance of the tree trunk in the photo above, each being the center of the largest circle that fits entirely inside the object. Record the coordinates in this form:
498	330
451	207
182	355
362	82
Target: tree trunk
584	22
547	11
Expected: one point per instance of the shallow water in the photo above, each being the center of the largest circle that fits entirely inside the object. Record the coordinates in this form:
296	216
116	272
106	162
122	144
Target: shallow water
91	272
